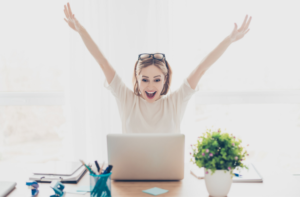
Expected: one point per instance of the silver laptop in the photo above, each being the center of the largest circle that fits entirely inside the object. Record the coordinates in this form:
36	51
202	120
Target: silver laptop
6	187
146	156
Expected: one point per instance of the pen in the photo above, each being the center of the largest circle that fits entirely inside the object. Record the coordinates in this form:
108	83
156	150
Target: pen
237	175
87	167
97	165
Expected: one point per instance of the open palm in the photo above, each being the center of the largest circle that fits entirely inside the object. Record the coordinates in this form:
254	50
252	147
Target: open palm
237	34
71	20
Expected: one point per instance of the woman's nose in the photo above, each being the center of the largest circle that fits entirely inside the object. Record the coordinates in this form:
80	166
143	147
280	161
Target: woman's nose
150	85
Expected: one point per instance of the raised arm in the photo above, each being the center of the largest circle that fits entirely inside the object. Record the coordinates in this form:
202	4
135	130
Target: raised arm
108	70
212	57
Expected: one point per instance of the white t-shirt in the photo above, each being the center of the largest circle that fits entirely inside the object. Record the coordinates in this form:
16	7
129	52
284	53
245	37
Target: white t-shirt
138	116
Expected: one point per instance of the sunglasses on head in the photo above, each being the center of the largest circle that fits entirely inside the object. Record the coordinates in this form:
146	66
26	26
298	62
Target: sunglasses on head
158	56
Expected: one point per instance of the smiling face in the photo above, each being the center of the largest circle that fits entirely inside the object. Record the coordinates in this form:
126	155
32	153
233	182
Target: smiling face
151	81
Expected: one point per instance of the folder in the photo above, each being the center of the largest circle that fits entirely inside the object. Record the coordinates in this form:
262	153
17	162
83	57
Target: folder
74	178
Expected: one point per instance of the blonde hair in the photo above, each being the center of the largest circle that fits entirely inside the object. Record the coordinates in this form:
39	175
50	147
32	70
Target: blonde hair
165	68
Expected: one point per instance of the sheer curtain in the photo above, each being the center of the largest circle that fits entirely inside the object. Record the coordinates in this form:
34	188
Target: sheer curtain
186	31
121	30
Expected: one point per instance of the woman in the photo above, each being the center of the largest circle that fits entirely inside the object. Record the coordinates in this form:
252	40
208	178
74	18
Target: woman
147	109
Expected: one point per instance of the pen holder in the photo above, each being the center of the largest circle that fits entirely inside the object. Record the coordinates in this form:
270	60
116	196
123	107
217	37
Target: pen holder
100	185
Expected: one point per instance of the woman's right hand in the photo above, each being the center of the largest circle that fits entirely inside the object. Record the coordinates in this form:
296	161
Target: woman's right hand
72	21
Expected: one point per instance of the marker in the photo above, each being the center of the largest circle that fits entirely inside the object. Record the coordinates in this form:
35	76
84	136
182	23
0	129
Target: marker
97	165
108	169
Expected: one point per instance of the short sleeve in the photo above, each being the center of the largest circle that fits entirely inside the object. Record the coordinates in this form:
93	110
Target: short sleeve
181	96
123	95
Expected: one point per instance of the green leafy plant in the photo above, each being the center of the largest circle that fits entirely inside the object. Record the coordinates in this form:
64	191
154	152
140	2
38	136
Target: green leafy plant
218	151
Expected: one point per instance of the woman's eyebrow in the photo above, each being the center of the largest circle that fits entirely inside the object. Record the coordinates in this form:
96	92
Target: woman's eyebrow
154	77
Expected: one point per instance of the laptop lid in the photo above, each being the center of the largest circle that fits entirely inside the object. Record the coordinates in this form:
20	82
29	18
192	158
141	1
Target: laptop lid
146	156
6	187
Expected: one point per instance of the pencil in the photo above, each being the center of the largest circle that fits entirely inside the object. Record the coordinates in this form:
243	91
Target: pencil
100	172
87	167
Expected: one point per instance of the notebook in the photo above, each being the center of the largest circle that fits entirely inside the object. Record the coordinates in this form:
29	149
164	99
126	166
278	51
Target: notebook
6	187
248	176
74	178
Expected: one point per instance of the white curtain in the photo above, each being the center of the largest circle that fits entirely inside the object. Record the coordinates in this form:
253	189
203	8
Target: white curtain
121	30
186	31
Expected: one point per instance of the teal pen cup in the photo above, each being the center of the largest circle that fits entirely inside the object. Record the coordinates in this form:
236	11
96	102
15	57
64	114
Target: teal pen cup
100	185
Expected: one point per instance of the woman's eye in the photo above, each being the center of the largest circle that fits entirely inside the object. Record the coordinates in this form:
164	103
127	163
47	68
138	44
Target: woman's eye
145	80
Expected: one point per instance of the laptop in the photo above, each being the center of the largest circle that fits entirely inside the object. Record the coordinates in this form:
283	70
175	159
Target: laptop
146	156
6	187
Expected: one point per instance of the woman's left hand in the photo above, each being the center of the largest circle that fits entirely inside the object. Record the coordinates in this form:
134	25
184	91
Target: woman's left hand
237	34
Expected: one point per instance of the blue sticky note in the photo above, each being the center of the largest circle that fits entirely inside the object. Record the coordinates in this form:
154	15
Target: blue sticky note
155	191
74	191
85	188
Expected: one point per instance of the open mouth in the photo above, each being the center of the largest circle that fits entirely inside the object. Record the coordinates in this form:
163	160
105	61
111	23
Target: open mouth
150	95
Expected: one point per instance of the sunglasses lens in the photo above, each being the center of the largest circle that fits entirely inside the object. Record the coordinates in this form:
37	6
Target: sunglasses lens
145	56
158	56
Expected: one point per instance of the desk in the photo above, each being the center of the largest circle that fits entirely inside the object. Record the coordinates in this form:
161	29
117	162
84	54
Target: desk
280	184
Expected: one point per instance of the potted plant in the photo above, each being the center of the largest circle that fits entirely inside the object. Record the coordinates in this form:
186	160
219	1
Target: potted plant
219	154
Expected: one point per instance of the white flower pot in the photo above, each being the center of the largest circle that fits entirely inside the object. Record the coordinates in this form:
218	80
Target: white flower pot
218	184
